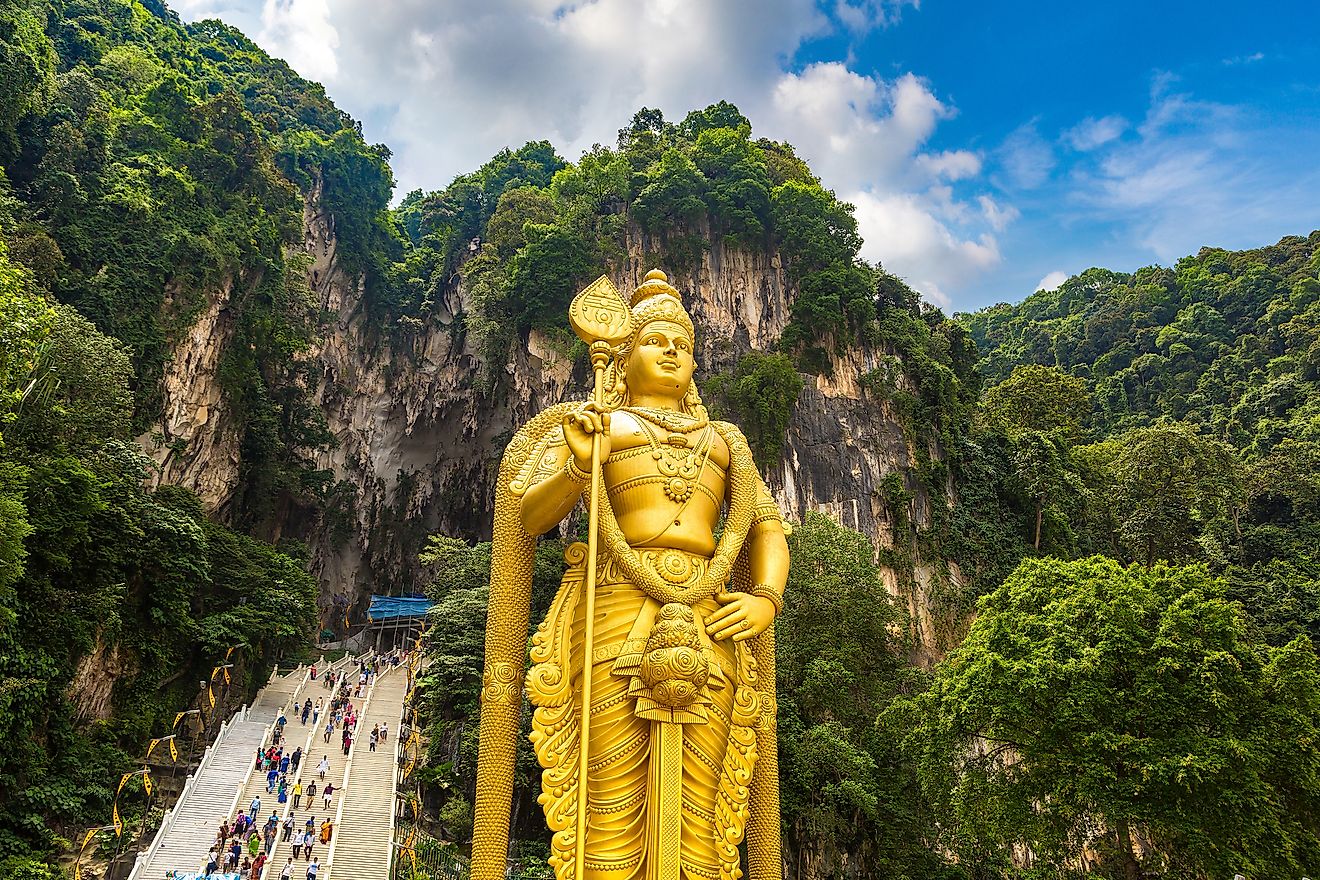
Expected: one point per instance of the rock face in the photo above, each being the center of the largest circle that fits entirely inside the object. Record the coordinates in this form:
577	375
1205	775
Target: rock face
421	421
196	443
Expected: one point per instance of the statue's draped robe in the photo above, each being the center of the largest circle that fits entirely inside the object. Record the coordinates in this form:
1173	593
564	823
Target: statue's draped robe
644	819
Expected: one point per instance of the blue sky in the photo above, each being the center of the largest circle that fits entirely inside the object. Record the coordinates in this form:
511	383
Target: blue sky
988	147
1240	84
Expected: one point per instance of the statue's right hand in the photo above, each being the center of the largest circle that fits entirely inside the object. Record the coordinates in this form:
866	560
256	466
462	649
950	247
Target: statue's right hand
591	418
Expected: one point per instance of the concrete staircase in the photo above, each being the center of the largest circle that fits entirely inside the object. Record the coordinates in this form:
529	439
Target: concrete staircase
214	791
362	843
314	746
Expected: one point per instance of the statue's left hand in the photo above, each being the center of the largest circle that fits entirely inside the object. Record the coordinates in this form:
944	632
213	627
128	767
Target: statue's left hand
742	616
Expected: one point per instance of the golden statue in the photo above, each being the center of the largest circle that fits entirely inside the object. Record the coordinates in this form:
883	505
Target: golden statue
673	628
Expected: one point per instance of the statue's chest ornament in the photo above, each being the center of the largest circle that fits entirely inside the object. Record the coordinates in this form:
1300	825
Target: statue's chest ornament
682	456
679	464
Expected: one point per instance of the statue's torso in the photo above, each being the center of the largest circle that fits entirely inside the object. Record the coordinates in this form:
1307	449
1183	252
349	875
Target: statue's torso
667	486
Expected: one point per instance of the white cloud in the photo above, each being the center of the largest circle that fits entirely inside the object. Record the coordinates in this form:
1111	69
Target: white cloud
1201	173
951	164
998	218
867	15
303	29
904	234
1052	280
1244	59
1025	158
1091	132
857	130
447	85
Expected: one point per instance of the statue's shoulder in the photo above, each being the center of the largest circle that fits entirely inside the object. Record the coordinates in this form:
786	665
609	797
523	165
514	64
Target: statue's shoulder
531	443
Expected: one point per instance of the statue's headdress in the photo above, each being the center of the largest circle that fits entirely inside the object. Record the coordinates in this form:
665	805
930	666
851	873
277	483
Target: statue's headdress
658	300
654	300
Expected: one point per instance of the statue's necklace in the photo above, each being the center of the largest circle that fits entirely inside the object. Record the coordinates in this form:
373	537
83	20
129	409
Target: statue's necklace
668	419
681	461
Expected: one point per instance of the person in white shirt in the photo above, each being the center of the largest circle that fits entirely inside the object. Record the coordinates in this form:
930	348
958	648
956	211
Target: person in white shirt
312	869
287	871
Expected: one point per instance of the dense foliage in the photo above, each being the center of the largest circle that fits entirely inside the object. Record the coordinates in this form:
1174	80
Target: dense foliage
146	168
1088	696
1166	420
154	167
110	594
1199	432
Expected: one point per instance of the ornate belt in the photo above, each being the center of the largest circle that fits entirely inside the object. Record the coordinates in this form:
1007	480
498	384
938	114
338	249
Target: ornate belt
680	570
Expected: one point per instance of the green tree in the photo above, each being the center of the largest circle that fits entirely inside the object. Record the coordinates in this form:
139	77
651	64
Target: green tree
848	796
85	380
1171	486
25	322
673	193
1092	703
759	394
1042	469
1038	398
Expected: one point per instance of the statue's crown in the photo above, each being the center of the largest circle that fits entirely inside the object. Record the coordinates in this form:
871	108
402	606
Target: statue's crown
656	299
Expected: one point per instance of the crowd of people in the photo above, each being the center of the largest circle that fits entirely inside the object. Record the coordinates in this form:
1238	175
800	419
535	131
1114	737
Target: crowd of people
243	846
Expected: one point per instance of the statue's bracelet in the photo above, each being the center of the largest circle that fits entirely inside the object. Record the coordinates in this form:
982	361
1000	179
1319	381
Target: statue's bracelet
575	473
765	591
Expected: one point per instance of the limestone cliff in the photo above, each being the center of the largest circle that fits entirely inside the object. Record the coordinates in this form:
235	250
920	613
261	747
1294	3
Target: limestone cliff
420	421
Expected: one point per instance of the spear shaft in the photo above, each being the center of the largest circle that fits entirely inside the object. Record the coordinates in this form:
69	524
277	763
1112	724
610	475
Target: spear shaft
600	353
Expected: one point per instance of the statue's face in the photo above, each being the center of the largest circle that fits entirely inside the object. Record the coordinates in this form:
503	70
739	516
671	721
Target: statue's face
661	360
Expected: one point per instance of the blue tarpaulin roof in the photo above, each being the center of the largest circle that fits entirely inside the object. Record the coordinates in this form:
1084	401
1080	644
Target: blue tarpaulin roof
394	607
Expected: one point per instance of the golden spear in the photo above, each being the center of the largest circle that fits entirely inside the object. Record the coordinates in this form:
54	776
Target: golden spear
601	319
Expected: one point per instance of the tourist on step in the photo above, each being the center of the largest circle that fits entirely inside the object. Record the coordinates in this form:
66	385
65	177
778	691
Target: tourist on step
325	795
287	871
295	759
322	767
253	843
312	869
284	789
297	795
288	827
257	865
327	830
384	730
246	869
254	808
211	861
